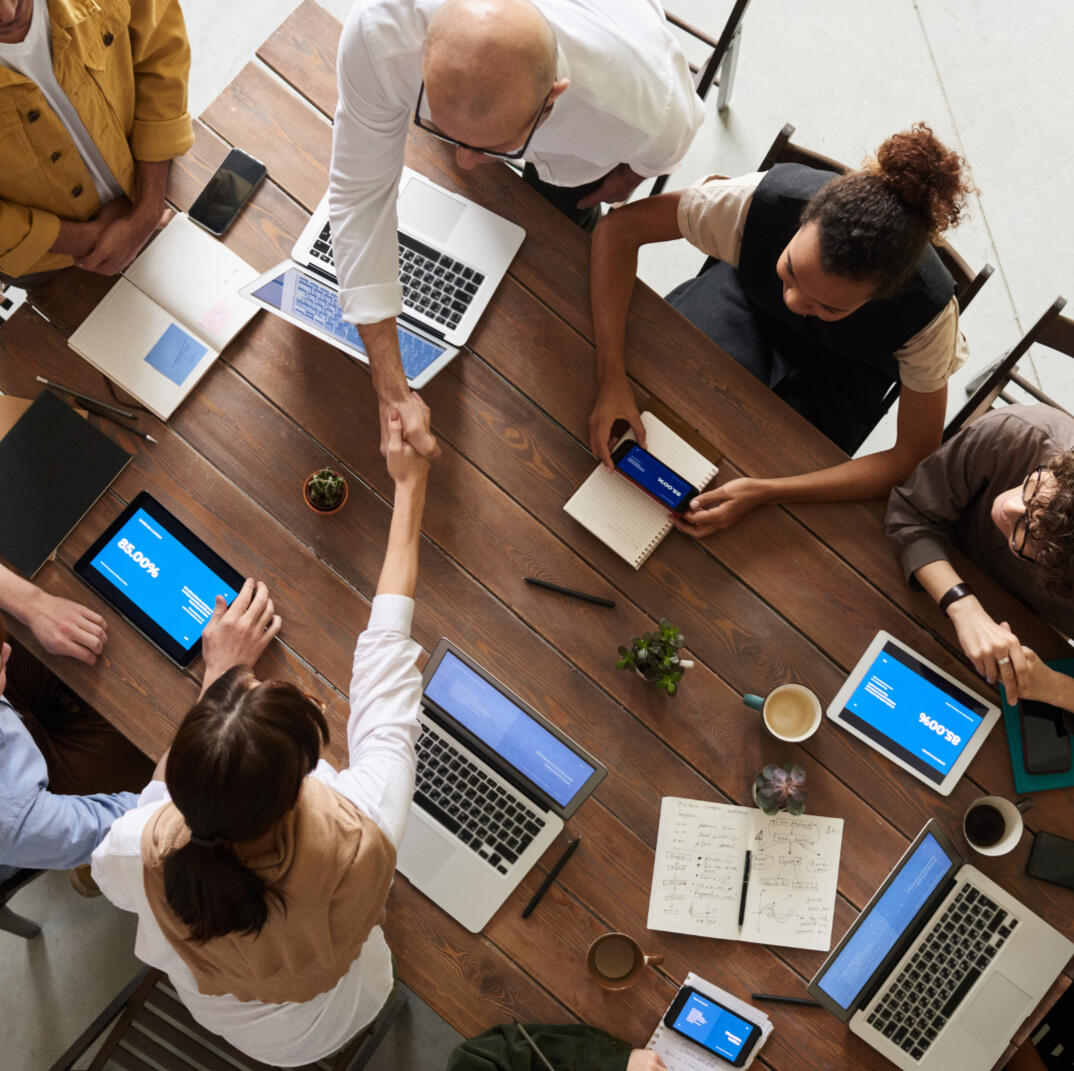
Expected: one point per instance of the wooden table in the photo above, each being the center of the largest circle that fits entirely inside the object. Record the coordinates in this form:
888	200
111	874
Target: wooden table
787	594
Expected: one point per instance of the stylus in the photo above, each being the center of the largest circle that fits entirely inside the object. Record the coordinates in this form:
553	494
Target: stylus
786	1000
560	863
533	1045
569	591
87	398
745	889
126	427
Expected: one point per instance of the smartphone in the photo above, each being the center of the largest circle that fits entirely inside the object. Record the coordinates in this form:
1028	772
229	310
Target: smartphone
1052	859
714	1027
653	476
1045	743
227	191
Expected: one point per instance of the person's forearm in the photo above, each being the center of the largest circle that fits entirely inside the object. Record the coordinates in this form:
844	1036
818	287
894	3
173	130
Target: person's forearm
381	342
612	274
75	239
938	578
17	596
399	574
150	181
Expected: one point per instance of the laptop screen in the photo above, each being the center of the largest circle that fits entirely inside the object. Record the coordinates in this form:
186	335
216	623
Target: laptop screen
508	730
884	921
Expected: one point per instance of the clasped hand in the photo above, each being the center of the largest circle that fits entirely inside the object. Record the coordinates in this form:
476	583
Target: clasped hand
123	231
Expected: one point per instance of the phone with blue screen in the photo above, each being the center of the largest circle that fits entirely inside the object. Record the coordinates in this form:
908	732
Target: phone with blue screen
712	1025
653	476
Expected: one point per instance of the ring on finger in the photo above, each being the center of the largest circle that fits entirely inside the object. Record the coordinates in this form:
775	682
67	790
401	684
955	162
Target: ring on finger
1003	661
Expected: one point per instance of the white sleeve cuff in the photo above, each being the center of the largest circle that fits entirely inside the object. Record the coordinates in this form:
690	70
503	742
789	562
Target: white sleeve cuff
371	304
392	612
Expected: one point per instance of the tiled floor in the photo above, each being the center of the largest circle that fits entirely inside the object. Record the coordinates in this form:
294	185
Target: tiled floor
994	78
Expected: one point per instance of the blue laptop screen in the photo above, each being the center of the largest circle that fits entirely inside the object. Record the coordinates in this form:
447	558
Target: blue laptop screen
505	727
884	922
305	299
914	713
167	582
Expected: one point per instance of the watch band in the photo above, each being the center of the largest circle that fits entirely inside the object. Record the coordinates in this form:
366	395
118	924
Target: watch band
959	591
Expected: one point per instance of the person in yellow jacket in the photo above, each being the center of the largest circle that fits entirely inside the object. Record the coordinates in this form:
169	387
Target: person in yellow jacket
92	111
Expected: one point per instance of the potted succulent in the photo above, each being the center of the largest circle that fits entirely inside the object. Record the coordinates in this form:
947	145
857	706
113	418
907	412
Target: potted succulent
779	788
655	657
325	491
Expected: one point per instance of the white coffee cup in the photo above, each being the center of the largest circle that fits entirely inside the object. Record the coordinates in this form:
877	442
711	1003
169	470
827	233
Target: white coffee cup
993	825
790	713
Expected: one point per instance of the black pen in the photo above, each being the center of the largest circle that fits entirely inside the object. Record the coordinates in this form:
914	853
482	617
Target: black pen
569	591
745	888
92	407
87	398
561	862
786	1000
533	1044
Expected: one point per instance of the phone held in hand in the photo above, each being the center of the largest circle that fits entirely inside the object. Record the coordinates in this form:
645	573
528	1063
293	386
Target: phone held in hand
230	187
1052	859
714	1027
653	476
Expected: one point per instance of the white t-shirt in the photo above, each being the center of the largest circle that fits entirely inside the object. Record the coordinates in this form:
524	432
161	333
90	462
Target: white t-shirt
32	58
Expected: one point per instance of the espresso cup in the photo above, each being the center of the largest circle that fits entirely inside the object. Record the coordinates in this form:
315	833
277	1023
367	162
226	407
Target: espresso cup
790	713
993	825
615	960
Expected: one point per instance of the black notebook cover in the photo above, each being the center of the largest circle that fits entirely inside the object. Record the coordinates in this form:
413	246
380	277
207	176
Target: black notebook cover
53	466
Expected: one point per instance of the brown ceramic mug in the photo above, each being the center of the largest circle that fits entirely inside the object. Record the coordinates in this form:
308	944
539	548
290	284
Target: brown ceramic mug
615	960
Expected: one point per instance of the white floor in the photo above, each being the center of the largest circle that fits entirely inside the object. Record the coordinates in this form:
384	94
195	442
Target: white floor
992	77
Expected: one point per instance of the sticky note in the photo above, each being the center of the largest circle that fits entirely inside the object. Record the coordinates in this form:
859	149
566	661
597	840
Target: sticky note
176	354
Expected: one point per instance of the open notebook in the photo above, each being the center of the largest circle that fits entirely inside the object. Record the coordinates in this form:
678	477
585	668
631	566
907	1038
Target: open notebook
163	324
624	516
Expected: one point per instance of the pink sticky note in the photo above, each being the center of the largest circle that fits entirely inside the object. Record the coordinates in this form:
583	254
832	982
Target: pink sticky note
217	318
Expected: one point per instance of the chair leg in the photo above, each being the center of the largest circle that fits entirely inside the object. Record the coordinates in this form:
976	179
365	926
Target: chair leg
727	71
10	922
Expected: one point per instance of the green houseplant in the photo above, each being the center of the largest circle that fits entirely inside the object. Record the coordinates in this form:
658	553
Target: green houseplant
325	491
778	788
655	656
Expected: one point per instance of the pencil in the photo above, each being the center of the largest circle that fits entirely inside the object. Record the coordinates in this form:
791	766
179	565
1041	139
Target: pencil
88	398
533	1045
786	1000
569	591
560	863
111	419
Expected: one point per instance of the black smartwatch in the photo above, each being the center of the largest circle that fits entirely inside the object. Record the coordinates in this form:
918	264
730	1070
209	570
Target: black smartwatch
959	591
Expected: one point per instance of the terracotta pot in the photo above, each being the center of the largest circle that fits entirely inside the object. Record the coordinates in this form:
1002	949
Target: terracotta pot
317	509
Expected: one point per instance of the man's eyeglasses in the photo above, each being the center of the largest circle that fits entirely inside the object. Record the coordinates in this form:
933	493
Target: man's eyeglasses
1020	532
430	127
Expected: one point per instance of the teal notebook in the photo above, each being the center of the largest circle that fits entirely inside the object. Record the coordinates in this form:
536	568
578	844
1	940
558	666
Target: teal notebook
1023	780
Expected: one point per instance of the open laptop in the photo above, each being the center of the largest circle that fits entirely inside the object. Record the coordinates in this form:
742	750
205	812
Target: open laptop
495	783
942	966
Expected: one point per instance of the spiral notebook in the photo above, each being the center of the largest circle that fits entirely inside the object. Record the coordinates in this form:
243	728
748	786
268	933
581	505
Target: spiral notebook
622	515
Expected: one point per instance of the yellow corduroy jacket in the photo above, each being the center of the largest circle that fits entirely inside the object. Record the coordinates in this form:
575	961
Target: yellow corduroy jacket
124	66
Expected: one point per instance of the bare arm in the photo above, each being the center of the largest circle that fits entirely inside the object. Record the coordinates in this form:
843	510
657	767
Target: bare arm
409	470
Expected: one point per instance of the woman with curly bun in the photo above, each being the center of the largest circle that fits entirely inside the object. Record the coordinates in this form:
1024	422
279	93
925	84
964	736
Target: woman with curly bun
1002	491
827	289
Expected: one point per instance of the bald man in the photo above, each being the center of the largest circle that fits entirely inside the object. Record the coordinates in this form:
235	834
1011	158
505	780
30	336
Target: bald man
594	96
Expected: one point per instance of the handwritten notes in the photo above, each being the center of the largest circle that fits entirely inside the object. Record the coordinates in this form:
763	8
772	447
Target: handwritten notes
700	859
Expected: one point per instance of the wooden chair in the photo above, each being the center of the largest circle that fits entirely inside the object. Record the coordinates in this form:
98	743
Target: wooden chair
723	60
154	1029
1052	330
10	922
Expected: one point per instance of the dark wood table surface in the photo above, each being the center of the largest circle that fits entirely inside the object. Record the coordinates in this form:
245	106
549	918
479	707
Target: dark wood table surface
788	594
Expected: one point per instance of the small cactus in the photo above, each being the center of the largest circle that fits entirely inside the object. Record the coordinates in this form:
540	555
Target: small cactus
326	489
777	789
655	655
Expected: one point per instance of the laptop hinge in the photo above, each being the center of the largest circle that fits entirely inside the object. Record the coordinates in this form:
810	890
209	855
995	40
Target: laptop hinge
421	325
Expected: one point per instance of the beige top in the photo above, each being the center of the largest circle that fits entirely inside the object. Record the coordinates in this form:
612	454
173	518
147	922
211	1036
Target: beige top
712	216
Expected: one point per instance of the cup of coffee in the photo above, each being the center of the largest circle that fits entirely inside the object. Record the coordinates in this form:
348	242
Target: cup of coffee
615	960
791	712
993	825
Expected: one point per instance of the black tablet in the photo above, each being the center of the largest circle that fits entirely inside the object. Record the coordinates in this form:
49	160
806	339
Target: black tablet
160	576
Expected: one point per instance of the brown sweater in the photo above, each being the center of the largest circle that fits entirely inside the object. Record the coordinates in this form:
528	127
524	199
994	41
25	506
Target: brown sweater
333	866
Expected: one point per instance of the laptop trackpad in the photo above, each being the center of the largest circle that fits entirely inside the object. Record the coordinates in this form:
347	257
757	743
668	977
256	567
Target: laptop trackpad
993	1014
427	210
424	849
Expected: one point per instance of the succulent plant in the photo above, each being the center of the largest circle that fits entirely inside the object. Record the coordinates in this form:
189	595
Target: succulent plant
655	655
326	489
778	789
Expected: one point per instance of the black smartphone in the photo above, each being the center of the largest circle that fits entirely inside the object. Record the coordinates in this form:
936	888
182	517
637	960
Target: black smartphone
1052	859
714	1027
653	476
231	186
1045	742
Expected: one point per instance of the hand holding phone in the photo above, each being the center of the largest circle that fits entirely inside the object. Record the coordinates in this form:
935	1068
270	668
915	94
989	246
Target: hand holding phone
231	186
653	476
712	1025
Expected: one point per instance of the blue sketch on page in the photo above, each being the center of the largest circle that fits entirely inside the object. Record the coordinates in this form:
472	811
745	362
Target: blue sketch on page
176	354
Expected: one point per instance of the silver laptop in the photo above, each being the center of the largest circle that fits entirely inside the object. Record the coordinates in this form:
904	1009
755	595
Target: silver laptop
452	255
495	783
942	966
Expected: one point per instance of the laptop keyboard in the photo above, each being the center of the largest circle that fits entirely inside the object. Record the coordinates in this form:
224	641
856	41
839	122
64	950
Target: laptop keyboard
470	804
932	984
434	284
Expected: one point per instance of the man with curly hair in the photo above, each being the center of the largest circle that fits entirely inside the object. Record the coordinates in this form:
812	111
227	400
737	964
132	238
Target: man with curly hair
1002	490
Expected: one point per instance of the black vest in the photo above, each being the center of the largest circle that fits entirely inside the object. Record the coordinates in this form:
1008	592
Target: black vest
871	334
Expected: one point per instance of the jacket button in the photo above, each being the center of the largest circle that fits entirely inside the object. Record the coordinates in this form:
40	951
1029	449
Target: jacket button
55	156
108	38
33	115
77	191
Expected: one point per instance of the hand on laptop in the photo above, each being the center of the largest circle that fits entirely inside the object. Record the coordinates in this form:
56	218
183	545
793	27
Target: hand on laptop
719	508
615	401
415	416
64	627
236	635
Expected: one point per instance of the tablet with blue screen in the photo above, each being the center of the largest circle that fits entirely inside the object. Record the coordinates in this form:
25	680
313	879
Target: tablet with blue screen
916	714
160	576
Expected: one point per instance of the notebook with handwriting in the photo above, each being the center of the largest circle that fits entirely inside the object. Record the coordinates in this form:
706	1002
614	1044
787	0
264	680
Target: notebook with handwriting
159	329
621	514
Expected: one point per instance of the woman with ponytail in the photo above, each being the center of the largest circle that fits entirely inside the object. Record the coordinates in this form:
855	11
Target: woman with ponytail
258	872
827	289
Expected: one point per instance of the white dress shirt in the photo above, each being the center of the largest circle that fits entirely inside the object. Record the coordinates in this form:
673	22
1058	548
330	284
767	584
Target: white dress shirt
382	729
631	100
